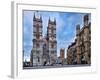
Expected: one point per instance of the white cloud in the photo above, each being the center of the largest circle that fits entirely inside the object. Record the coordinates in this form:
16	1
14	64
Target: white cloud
26	58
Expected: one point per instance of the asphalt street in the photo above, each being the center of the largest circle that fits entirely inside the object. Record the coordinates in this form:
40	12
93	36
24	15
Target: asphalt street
57	66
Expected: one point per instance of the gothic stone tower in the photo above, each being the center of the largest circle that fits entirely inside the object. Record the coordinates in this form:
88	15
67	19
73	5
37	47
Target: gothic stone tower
37	50
52	43
62	54
78	49
87	39
83	43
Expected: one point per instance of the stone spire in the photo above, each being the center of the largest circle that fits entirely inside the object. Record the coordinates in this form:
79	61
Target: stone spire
86	20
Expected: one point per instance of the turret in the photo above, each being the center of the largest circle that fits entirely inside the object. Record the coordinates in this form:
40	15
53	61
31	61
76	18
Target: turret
77	30
34	17
86	20
55	21
40	18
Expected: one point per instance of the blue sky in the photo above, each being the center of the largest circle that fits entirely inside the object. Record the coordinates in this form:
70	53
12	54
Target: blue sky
65	23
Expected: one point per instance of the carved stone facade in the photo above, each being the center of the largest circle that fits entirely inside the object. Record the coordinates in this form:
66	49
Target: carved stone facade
80	51
71	53
52	42
62	54
37	50
44	49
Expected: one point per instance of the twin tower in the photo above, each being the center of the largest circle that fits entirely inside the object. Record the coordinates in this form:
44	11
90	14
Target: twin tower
44	51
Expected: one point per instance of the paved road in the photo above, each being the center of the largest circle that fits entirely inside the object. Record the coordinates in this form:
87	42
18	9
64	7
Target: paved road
56	66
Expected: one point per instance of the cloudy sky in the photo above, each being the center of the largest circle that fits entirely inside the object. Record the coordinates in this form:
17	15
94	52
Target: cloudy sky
65	23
